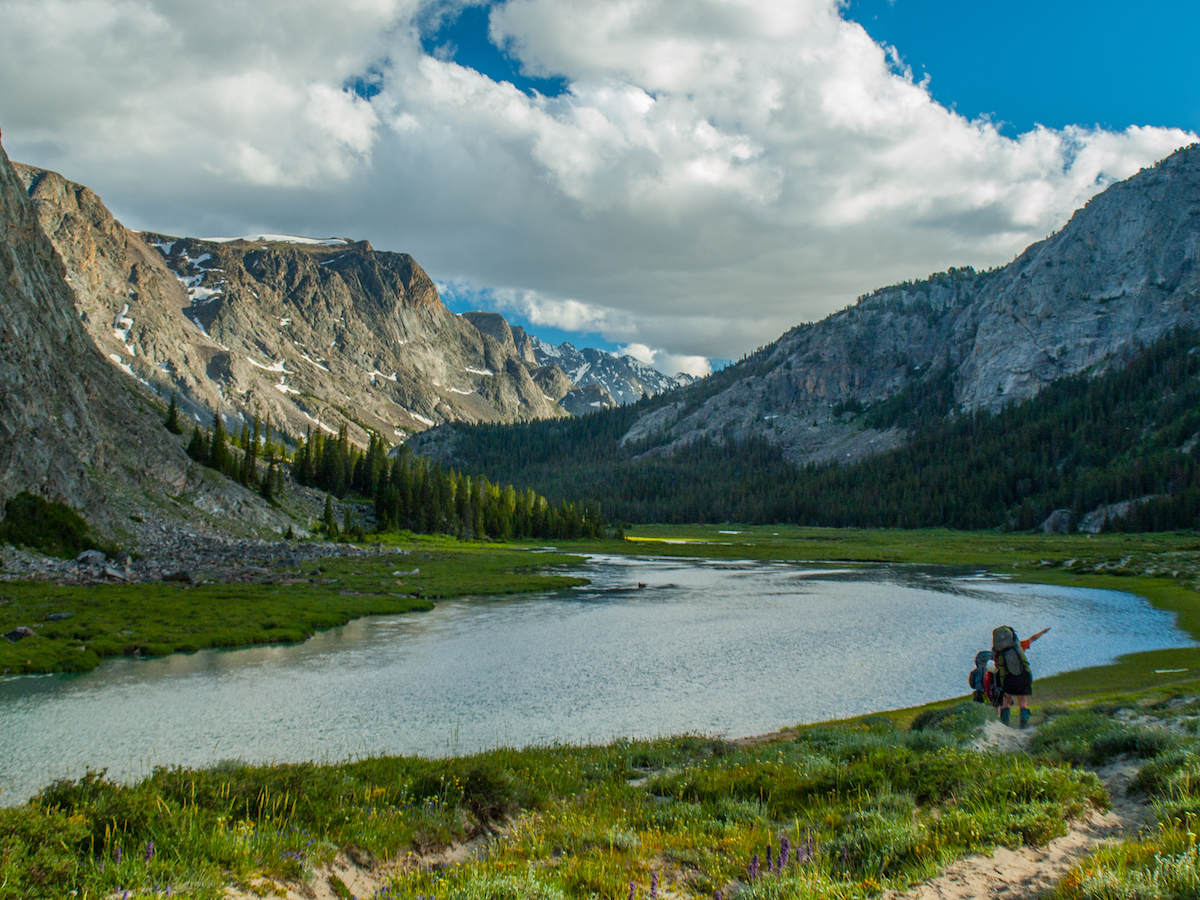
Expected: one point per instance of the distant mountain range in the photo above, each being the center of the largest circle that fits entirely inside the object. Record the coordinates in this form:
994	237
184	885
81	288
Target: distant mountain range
909	361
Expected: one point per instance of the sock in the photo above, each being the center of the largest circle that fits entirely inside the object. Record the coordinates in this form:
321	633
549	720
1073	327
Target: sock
1024	717
1004	713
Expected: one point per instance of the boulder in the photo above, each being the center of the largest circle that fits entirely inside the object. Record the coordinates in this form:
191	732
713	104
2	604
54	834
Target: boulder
1058	522
19	633
91	558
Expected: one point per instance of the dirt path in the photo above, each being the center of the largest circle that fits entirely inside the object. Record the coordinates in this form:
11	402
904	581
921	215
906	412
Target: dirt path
1030	872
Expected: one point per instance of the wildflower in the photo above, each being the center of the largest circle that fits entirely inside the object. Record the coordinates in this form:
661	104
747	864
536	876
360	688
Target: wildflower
770	865
117	855
149	851
753	873
785	847
632	890
654	885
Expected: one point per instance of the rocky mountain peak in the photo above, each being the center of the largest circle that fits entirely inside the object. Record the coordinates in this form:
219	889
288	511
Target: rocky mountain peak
1118	275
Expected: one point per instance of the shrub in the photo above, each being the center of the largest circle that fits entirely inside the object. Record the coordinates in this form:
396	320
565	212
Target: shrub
960	720
53	528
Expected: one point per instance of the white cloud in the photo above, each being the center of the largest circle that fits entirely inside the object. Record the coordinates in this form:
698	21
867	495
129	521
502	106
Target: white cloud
667	363
717	172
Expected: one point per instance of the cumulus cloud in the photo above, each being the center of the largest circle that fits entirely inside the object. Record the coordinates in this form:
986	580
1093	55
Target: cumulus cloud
669	363
716	172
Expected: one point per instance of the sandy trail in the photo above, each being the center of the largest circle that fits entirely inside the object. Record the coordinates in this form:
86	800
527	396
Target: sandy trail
1030	872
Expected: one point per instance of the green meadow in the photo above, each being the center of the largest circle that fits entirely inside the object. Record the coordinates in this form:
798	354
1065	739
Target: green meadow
840	810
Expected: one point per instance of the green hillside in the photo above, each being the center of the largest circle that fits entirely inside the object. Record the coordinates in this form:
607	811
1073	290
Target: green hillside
1083	442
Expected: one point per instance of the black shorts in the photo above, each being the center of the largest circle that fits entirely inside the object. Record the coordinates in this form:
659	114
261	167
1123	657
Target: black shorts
1019	685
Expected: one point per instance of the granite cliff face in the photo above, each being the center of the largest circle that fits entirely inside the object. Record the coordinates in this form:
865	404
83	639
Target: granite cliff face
73	428
312	332
1124	270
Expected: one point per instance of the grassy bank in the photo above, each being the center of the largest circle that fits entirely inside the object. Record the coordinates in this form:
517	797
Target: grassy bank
835	812
290	604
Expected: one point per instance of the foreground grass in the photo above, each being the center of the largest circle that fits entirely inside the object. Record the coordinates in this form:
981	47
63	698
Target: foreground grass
836	812
108	620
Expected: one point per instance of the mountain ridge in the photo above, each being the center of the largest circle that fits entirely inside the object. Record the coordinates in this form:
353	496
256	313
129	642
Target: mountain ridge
312	332
1120	273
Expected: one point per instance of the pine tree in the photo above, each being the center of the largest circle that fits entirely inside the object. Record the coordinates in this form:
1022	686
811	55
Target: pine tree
172	421
219	457
327	516
197	447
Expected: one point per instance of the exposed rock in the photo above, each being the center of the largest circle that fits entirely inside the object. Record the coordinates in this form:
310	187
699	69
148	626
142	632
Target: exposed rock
314	333
623	377
1095	521
19	633
552	381
74	427
1058	522
91	558
588	399
1120	274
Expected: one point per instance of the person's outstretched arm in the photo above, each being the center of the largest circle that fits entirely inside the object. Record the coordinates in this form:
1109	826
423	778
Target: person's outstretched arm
1029	640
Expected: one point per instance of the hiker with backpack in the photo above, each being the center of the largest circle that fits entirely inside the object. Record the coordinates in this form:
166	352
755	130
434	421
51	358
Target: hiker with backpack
1012	671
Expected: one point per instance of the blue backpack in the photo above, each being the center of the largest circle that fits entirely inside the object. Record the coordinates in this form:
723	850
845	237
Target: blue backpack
976	681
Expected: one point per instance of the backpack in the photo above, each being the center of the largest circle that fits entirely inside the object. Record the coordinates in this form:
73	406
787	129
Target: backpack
1006	650
986	690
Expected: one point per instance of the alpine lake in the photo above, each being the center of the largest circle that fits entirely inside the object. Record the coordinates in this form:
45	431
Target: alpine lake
653	646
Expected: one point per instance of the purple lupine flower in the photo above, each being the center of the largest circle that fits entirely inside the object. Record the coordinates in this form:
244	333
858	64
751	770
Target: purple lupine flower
632	890
117	855
149	851
654	885
717	895
785	848
754	868
770	865
845	855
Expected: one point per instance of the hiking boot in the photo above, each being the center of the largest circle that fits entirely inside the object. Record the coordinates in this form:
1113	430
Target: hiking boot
1024	718
1004	714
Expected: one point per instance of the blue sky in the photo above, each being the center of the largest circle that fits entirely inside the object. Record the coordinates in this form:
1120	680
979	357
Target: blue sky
685	179
1024	63
1055	63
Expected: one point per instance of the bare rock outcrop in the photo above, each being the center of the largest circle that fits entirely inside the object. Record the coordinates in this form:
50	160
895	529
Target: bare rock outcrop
312	332
1122	272
74	427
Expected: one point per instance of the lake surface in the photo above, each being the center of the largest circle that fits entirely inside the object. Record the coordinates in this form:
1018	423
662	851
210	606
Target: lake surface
718	647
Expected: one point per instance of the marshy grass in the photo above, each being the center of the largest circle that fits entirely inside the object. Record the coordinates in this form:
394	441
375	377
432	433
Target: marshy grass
77	627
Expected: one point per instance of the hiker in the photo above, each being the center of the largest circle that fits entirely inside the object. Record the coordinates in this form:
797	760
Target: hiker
1012	670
